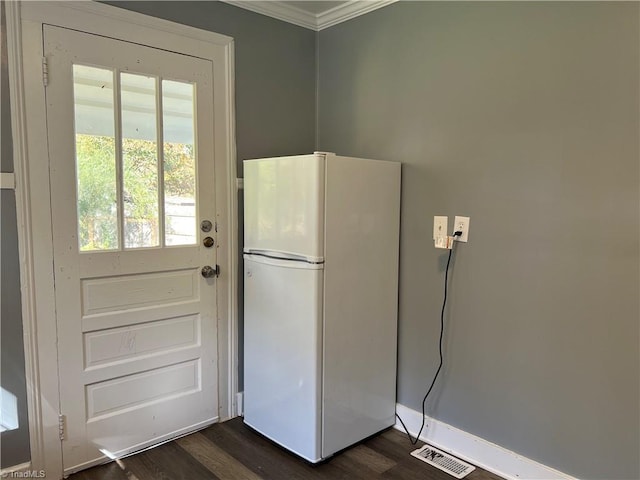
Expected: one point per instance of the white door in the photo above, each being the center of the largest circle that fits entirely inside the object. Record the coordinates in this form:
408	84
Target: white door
130	132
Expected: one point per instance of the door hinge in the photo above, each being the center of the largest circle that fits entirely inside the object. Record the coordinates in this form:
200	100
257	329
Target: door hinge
62	426
216	227
45	71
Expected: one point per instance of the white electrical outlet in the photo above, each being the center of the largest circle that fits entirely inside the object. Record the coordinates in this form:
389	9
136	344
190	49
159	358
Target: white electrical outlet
440	226
461	224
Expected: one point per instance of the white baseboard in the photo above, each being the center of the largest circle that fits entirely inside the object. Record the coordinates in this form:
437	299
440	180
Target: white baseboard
240	404
476	450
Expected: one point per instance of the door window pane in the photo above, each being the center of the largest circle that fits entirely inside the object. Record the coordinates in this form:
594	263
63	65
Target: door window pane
119	192
95	158
179	163
139	161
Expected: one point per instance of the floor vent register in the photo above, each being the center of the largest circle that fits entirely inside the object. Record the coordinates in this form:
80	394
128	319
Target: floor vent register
443	461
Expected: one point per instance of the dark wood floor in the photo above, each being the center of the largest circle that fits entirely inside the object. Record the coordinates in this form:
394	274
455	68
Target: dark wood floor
232	451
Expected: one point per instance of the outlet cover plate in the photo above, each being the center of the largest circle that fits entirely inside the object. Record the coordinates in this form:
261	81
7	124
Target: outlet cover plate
461	224
440	226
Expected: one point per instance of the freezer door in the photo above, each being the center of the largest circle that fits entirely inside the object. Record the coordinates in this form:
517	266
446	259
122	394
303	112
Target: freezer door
282	352
284	206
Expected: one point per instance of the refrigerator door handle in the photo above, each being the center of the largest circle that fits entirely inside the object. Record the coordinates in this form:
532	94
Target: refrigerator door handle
283	255
281	262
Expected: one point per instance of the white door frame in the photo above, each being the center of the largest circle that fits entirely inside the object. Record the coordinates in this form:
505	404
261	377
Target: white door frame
24	35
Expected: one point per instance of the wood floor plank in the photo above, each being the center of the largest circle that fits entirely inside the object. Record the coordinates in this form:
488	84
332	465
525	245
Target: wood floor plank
404	471
170	461
140	466
258	454
233	451
215	459
109	471
396	451
145	468
408	466
366	456
272	461
357	469
400	438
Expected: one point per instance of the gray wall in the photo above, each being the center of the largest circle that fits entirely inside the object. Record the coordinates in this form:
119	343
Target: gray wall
524	116
14	444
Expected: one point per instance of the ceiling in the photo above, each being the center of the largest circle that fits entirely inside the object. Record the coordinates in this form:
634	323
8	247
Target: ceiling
315	15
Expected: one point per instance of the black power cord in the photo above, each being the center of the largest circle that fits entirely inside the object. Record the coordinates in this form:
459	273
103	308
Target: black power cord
435	377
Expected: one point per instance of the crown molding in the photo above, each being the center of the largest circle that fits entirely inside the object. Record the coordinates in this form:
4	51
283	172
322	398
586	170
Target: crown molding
347	11
279	10
282	10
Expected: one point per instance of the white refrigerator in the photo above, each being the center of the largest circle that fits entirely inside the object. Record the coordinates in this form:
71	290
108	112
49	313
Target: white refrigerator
320	299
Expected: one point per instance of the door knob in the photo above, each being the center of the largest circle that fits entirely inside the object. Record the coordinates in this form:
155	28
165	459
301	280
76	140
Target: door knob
209	272
208	242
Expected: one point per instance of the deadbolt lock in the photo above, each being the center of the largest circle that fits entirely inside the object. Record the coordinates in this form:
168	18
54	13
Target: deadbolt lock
206	226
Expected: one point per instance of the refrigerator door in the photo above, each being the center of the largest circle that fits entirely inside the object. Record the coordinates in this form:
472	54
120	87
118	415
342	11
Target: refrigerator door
282	352
284	206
